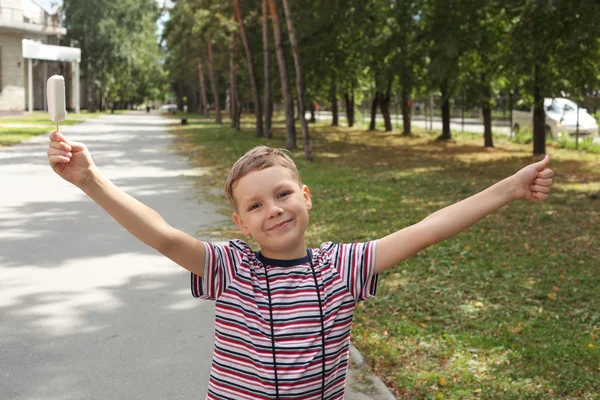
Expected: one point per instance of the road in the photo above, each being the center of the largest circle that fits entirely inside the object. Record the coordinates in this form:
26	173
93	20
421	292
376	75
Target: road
456	125
87	311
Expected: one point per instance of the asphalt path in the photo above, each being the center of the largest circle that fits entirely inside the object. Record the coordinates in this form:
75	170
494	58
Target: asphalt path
86	310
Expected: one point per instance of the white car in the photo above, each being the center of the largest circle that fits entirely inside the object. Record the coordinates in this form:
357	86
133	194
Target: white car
168	107
561	119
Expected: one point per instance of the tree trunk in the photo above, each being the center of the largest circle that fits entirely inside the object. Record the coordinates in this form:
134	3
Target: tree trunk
283	75
510	112
238	107
232	84
349	108
268	105
313	119
179	96
192	104
374	112
384	105
446	135
539	116
251	70
333	99
299	79
488	141
405	113
202	89
213	84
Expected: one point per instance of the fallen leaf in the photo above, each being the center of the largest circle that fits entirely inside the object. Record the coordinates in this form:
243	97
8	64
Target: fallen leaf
551	296
442	381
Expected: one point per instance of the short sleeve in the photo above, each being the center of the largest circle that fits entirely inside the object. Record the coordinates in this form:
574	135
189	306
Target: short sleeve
355	263
220	266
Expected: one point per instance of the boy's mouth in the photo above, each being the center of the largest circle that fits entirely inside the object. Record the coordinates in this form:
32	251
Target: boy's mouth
281	225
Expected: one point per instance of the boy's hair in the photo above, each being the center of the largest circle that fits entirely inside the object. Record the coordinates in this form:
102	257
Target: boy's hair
259	158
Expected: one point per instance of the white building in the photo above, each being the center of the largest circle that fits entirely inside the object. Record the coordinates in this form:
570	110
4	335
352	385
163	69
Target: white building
25	31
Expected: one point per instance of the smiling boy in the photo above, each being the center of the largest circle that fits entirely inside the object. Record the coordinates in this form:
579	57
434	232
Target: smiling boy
284	313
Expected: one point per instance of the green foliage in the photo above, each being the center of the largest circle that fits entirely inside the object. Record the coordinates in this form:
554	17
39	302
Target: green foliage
121	59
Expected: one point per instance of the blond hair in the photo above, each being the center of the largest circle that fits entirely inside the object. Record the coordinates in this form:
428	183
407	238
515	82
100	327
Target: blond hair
259	158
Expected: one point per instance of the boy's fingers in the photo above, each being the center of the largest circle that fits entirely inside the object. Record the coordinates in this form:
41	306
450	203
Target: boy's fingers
60	145
547	173
543	182
58	152
540	165
76	146
57	137
540	196
58	159
539	189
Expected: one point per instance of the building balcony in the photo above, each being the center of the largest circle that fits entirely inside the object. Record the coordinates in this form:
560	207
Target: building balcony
38	22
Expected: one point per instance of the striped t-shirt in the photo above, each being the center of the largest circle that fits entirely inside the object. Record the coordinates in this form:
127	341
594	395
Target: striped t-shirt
243	364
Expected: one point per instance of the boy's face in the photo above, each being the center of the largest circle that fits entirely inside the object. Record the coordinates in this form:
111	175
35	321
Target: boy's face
273	208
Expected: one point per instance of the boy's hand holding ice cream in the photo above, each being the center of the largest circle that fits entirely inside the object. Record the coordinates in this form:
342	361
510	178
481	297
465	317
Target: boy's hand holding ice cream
70	160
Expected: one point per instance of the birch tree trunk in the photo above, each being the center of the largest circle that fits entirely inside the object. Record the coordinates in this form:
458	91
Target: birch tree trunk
268	105
232	84
202	88
213	83
251	69
283	75
299	80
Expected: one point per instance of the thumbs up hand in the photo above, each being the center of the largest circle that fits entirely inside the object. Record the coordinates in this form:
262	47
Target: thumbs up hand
533	182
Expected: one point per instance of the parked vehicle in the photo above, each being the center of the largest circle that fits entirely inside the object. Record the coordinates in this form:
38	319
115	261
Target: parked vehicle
561	119
168	107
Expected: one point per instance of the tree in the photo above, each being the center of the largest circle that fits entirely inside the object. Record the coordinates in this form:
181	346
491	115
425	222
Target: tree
120	63
482	63
251	68
446	31
534	43
283	75
268	105
299	79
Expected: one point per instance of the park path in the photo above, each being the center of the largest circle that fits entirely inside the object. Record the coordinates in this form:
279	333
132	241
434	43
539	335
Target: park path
86	310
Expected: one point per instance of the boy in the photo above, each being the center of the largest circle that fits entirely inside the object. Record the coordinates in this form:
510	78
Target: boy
284	313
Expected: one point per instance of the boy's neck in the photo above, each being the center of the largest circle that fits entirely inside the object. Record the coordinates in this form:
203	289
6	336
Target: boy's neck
298	251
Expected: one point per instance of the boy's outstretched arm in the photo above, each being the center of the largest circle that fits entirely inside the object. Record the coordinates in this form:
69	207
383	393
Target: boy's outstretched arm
531	183
73	162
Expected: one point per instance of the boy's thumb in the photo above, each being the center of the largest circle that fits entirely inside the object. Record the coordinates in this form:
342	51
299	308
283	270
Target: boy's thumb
540	165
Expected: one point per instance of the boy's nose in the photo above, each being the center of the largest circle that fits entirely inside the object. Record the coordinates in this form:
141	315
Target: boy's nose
275	210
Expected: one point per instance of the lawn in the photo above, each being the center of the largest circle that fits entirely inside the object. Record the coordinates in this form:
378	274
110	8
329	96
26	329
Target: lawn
15	130
509	309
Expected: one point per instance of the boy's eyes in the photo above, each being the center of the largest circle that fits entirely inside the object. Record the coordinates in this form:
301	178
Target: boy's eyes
280	195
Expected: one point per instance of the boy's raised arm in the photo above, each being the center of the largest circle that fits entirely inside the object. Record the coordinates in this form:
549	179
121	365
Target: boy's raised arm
531	183
73	162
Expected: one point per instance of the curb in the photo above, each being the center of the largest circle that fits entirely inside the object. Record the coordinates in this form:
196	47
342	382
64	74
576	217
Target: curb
379	386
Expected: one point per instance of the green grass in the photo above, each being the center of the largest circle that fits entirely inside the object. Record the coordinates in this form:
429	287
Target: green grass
508	309
15	130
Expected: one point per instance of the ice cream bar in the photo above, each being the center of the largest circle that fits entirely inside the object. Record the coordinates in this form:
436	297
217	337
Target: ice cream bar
55	91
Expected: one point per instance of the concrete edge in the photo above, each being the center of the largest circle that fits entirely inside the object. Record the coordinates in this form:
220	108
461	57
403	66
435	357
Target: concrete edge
378	384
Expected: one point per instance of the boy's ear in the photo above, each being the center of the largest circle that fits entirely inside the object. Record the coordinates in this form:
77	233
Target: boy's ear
238	221
307	199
